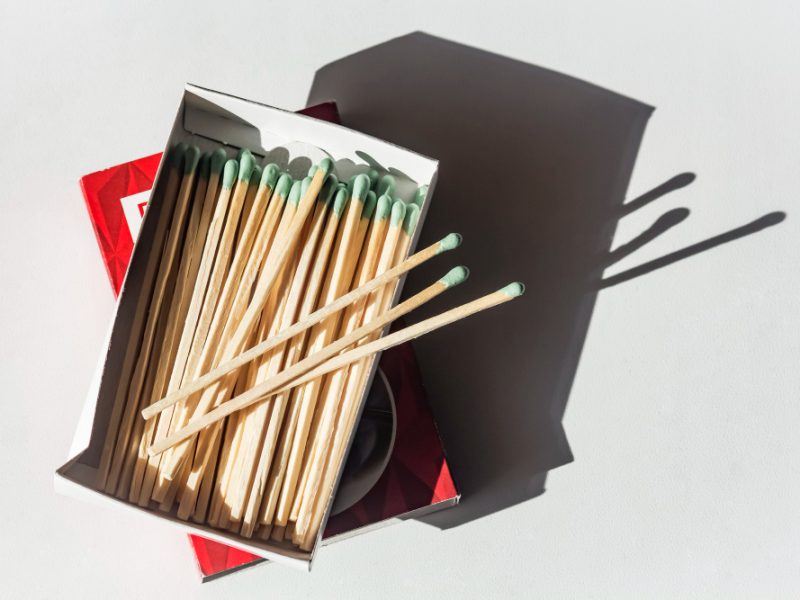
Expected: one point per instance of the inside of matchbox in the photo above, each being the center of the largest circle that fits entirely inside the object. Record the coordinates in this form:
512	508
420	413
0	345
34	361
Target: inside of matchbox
208	120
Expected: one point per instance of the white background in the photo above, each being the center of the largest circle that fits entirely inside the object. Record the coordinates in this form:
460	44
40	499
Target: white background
696	492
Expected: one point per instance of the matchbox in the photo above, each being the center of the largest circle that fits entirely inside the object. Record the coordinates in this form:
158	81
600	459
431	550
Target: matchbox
207	118
416	479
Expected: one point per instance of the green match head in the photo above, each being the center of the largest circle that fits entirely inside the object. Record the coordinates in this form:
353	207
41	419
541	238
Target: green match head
398	214
217	161
350	183
326	164
295	192
360	187
305	185
514	289
176	154
328	189
340	201
241	153
419	196
386	185
269	176
450	242
192	158
369	205
383	208
411	219
373	178
229	173
312	169
283	185
455	276
255	176
202	166
246	165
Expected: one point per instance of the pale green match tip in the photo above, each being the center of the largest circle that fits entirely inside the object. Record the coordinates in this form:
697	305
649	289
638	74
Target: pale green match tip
295	192
361	187
373	179
202	166
255	176
419	196
229	173
246	165
383	208
284	185
386	185
328	189
192	158
340	201
450	242
411	219
218	160
398	214
514	289
455	276
369	205
270	176
326	164
177	152
305	185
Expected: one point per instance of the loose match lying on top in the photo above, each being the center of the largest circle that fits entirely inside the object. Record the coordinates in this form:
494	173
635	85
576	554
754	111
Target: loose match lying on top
261	307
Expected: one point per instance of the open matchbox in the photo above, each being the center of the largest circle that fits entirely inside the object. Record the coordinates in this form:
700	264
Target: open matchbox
208	118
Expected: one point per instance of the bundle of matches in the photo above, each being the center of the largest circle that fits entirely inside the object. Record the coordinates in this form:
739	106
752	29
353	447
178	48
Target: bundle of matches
261	310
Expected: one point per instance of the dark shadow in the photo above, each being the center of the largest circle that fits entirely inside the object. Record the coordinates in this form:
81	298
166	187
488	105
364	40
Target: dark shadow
767	220
675	183
534	167
664	223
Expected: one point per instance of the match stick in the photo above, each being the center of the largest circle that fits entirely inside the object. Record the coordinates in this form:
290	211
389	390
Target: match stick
348	246
167	192
252	188
261	191
235	180
177	299
273	266
332	394
376	302
325	403
269	319
250	257
310	514
449	242
216	198
319	363
167	269
296	349
259	463
221	291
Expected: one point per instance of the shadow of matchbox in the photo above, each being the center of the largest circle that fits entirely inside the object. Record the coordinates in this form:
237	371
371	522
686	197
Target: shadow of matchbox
415	479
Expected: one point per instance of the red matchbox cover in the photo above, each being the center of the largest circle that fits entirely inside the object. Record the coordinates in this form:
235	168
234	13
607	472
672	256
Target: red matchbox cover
416	476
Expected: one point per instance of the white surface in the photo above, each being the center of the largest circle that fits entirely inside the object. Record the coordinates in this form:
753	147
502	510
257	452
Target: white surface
696	492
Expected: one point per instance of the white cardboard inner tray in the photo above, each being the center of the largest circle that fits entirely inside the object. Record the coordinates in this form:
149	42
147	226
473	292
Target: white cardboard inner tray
208	118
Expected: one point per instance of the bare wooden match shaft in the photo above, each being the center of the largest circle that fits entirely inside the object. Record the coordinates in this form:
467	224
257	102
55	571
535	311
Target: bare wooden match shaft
448	243
168	193
167	269
326	360
272	269
338	281
296	348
